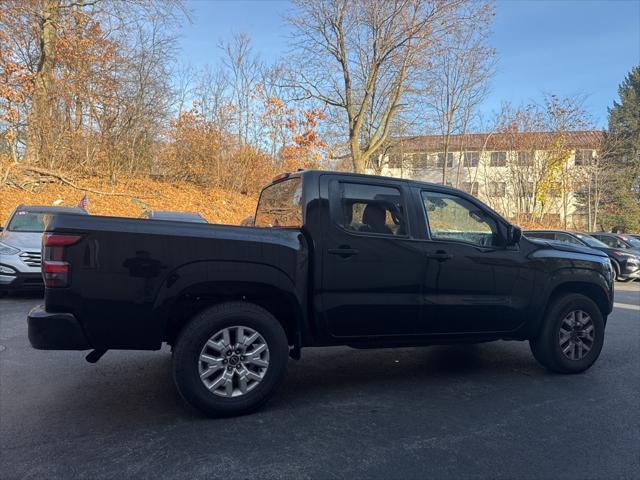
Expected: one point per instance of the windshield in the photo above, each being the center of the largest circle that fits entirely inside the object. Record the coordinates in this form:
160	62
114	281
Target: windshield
280	205
592	242
26	222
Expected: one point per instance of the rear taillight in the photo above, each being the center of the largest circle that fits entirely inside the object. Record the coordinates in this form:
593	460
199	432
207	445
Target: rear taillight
59	240
55	274
55	271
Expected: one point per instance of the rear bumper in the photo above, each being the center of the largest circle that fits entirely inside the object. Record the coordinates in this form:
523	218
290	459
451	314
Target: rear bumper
55	331
22	282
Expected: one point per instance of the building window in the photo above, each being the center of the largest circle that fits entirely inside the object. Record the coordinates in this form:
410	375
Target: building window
584	157
470	159
498	159
525	159
470	187
497	189
420	161
440	160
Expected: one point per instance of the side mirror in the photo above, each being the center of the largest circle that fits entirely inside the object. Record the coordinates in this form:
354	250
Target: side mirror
514	234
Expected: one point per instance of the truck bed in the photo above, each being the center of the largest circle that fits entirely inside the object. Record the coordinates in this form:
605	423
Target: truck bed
128	275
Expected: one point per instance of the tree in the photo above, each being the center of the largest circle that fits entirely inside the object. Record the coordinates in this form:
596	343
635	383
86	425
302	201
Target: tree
457	80
243	70
97	74
622	205
594	179
363	58
539	175
15	82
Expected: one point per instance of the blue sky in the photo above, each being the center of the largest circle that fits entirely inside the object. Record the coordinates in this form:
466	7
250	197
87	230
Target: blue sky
563	47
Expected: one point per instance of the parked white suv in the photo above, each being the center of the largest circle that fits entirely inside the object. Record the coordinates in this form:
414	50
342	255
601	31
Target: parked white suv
20	244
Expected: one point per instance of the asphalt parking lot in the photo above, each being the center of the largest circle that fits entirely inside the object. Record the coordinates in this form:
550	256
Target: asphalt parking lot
472	411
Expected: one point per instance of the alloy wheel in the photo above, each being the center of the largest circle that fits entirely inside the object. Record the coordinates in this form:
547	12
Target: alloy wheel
233	361
577	335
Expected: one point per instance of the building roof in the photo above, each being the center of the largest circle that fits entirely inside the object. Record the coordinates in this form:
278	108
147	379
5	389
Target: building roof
497	141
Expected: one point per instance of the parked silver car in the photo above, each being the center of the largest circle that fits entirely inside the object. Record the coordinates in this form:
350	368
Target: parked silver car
20	243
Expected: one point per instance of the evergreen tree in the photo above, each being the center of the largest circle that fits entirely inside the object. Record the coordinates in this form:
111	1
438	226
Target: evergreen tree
622	204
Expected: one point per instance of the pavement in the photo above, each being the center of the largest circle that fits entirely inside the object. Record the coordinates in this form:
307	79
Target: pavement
457	412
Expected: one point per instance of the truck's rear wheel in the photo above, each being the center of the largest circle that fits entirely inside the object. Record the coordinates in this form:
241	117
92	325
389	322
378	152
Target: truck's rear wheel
230	358
572	335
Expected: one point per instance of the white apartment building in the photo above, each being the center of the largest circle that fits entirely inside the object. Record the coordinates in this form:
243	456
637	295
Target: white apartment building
528	177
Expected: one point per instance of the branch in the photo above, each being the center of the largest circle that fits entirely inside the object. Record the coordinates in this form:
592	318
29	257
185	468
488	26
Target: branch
59	176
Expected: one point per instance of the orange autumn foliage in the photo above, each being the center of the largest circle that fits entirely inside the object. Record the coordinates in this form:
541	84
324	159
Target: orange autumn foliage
215	204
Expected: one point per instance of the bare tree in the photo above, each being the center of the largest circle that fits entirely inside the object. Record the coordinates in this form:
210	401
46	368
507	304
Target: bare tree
539	174
243	69
363	58
594	178
457	81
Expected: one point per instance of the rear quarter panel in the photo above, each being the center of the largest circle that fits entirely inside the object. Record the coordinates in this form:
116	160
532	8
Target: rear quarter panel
126	272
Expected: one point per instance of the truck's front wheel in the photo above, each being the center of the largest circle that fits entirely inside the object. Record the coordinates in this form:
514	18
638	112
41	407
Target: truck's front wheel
230	358
572	335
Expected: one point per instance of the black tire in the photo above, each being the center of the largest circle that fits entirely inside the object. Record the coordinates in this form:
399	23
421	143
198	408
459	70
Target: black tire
546	347
192	339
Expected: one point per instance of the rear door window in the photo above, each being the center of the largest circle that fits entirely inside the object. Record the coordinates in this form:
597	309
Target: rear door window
610	241
372	209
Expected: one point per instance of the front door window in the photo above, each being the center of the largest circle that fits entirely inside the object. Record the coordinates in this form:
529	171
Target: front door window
455	218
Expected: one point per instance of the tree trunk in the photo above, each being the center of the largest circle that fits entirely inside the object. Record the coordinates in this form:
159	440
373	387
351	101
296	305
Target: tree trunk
447	139
358	159
41	107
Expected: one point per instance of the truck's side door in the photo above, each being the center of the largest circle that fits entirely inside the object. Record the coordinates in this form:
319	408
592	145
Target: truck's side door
372	269
474	283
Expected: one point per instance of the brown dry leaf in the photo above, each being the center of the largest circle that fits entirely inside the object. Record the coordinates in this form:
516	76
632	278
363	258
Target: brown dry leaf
216	205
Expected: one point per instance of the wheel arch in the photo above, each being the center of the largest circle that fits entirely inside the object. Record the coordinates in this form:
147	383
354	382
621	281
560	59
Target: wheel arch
282	304
199	285
589	289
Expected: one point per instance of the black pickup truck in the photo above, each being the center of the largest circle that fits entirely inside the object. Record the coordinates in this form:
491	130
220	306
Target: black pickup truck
333	259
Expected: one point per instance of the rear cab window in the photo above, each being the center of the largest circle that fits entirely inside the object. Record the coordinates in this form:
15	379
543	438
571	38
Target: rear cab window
281	205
